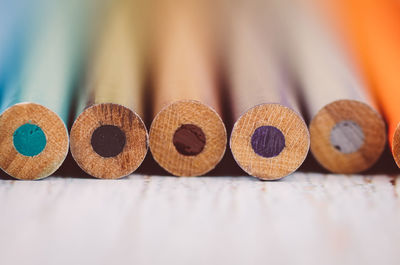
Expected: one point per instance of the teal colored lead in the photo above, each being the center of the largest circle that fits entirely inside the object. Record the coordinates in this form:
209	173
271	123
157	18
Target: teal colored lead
29	139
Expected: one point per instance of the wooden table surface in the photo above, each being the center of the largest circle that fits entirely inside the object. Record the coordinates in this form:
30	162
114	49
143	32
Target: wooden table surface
306	218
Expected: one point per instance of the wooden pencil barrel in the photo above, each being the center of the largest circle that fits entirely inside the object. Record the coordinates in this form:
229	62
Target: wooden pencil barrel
108	138
371	30
37	94
187	136
347	134
270	138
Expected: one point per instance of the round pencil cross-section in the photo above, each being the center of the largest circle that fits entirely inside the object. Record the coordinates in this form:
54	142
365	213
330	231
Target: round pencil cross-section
187	138
33	141
270	141
108	141
396	145
347	136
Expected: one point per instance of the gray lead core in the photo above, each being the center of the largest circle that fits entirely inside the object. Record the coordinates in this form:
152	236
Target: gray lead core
347	137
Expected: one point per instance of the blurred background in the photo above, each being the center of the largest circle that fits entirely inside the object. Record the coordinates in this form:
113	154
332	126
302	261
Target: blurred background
325	50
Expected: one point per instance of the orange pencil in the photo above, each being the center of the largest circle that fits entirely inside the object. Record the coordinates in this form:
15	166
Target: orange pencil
372	31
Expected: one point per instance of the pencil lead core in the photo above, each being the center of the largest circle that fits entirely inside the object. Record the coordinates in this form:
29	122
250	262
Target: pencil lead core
29	139
108	141
189	140
268	141
347	136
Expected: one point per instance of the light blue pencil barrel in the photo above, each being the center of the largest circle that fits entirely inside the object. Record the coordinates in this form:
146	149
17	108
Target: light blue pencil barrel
16	18
41	65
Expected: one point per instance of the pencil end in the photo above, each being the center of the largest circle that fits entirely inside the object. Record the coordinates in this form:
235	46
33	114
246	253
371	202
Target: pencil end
108	141
187	138
347	136
270	141
33	140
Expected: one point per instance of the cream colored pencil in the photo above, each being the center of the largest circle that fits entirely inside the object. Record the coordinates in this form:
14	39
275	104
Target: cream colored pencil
270	138
371	30
347	133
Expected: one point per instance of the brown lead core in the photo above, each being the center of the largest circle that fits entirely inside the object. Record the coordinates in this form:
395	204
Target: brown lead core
189	140
108	140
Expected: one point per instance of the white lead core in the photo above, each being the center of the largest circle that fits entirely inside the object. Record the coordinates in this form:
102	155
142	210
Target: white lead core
347	137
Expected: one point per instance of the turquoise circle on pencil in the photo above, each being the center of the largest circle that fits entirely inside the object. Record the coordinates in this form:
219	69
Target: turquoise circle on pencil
29	139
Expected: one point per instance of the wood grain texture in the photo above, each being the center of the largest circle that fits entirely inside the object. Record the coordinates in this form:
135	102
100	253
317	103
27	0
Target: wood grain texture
261	92
366	118
328	76
125	162
169	120
305	219
48	160
371	31
184	70
114	93
296	141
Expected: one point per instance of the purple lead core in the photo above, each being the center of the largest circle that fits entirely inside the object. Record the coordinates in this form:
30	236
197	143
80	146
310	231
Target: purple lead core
267	141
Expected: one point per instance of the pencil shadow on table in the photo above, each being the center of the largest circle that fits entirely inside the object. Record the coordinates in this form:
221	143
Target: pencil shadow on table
384	166
70	169
227	167
5	176
311	165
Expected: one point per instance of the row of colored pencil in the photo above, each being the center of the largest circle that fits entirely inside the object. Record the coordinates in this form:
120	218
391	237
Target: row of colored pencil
270	65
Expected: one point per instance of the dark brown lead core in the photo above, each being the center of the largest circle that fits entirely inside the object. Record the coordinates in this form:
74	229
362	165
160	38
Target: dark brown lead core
189	140
108	140
268	141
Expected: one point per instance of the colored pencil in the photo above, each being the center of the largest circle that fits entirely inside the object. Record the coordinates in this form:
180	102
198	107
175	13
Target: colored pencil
109	139
270	138
35	107
371	30
187	136
14	18
347	133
